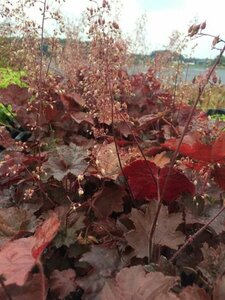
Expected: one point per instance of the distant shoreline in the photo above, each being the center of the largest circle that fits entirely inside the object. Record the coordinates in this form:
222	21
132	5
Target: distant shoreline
189	71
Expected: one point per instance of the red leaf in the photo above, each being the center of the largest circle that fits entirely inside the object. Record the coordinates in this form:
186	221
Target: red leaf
14	95
52	113
203	153
16	260
80	116
142	177
72	102
44	234
150	119
18	257
5	139
193	147
153	150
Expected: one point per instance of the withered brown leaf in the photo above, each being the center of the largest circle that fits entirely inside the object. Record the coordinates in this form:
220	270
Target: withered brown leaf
165	233
135	283
213	264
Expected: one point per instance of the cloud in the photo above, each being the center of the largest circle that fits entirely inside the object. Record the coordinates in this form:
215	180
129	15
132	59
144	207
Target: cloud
162	19
161	23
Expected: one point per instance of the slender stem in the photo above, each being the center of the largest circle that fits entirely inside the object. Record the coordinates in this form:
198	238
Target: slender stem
171	125
113	126
209	171
37	181
40	110
194	236
200	92
41	270
156	181
186	73
139	148
49	64
150	240
208	35
42	42
176	83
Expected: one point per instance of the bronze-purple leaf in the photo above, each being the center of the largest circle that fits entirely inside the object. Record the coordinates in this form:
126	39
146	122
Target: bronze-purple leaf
165	233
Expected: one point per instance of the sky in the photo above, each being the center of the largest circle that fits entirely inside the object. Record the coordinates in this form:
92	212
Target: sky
165	16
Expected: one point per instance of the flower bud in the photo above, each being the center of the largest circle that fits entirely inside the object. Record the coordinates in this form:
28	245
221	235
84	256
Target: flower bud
203	25
215	40
115	25
80	191
191	28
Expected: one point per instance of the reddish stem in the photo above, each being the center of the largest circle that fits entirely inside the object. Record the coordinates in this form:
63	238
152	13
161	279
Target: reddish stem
194	236
200	92
41	270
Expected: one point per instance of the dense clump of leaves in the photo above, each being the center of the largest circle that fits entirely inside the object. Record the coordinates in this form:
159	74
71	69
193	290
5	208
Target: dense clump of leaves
103	215
102	193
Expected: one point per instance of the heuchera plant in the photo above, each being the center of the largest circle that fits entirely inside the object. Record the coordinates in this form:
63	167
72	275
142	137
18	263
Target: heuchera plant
103	194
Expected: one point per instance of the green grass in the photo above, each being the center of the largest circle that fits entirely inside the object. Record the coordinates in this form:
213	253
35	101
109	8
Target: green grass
8	76
6	114
218	117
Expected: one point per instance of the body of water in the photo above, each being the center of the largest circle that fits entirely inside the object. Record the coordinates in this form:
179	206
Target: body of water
193	71
188	72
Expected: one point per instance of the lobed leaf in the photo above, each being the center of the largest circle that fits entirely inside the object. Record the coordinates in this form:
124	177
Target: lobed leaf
109	199
65	160
18	257
193	147
104	263
62	283
135	283
16	260
143	176
165	232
